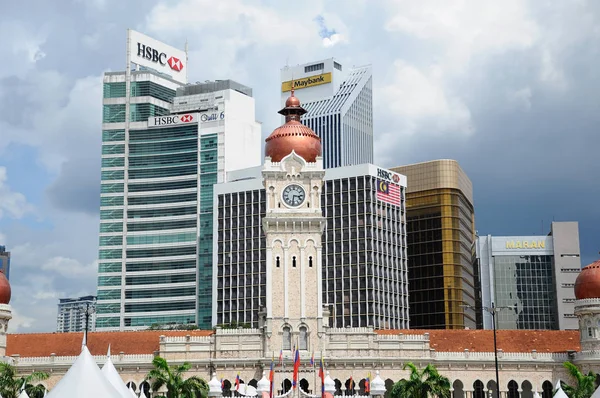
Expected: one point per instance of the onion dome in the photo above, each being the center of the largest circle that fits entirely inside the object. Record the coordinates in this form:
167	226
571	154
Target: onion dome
587	284
263	385
4	289
214	387
329	384
377	385
293	135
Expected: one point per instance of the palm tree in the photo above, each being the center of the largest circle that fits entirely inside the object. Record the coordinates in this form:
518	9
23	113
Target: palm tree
11	383
586	384
421	384
172	378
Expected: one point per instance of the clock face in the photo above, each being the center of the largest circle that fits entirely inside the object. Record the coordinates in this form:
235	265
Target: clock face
293	195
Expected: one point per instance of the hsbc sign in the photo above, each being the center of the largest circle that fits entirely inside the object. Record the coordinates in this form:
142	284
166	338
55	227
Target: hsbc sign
188	118
150	53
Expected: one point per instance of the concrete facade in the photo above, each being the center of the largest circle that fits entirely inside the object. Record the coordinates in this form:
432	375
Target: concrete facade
534	274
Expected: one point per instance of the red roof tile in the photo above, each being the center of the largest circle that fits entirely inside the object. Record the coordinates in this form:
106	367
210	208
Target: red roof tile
507	340
147	342
44	344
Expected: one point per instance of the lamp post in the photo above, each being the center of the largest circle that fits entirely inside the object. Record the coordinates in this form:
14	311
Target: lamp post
87	313
493	310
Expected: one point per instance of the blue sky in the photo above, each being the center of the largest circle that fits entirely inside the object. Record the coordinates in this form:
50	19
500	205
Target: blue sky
509	89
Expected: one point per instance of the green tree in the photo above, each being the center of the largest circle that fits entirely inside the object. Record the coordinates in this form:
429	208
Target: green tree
11	383
172	377
586	384
422	384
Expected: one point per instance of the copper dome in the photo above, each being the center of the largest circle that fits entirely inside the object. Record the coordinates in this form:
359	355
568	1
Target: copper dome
587	284
293	135
4	289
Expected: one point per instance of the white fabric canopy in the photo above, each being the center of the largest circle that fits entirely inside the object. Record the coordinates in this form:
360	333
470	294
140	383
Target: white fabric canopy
111	374
559	391
23	394
84	379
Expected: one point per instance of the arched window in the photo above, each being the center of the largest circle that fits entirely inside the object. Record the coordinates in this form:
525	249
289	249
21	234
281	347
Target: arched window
310	261
287	338
478	389
513	389
294	261
277	262
547	389
303	338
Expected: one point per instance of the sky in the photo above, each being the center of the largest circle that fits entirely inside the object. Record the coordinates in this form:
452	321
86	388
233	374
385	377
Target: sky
508	88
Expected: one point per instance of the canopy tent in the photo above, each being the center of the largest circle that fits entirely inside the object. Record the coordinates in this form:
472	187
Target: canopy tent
84	379
23	394
559	391
110	372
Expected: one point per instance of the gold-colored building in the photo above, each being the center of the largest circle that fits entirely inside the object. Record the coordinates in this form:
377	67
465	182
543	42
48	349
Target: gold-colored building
440	220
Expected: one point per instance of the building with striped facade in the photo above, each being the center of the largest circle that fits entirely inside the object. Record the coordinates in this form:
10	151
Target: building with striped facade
339	108
364	277
164	147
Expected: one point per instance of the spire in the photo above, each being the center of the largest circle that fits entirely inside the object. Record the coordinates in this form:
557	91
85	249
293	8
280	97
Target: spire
108	353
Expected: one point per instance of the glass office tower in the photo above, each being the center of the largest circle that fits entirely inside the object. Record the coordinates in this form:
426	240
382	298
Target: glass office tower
339	105
155	259
441	246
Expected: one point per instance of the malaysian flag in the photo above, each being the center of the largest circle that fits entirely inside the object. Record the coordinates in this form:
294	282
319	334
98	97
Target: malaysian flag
388	192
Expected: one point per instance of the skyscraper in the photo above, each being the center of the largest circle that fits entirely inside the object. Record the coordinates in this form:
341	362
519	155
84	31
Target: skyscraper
533	275
440	222
72	314
160	160
5	261
339	107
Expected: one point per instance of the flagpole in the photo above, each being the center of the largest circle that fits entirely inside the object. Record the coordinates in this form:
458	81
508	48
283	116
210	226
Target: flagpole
314	373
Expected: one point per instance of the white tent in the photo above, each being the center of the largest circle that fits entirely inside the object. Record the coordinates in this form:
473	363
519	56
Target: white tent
559	391
111	374
84	379
23	394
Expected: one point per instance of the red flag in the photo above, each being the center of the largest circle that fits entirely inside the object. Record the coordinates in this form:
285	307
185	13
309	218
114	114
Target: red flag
351	384
296	368
237	382
368	383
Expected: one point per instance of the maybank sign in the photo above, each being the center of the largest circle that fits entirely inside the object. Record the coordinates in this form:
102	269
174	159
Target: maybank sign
306	82
188	118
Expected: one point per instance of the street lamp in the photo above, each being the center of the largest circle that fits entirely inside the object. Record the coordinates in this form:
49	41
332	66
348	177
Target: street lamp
493	310
87	313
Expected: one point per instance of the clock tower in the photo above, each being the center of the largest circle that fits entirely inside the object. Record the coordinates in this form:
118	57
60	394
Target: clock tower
293	177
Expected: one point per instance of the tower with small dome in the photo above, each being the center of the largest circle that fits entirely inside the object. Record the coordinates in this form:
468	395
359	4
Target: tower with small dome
587	309
5	311
293	176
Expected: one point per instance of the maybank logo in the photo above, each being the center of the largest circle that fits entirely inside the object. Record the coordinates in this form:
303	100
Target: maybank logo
306	82
518	244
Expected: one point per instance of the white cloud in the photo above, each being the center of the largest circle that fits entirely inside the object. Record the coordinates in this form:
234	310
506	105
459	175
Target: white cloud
70	268
418	99
521	98
465	27
12	204
333	40
23	49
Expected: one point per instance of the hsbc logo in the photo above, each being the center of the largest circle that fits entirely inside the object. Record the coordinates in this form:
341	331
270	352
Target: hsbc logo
186	118
388	175
175	64
153	55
